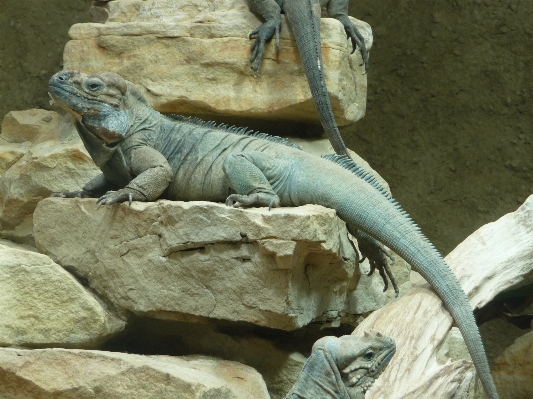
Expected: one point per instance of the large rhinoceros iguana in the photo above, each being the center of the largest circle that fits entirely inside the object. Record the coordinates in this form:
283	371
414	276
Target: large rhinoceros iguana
145	155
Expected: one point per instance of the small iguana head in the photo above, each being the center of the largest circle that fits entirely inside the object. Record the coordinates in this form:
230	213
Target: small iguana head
360	360
100	102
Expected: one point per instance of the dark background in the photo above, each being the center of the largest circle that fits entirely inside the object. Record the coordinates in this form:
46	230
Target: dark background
448	123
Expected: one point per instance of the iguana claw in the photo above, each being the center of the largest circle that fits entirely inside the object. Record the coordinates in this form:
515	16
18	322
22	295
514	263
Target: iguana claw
264	33
259	199
122	195
357	39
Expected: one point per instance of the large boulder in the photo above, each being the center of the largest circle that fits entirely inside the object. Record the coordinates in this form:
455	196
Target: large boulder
40	152
192	57
43	305
78	374
187	260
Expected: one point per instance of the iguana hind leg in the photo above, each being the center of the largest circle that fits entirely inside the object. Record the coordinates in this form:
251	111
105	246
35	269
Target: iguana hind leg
246	175
377	255
338	9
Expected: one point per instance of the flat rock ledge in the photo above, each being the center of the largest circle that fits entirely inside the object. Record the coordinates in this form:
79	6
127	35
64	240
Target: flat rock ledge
43	305
194	260
192	57
78	374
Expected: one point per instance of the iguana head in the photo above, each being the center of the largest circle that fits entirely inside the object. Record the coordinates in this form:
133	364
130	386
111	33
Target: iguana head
101	102
360	360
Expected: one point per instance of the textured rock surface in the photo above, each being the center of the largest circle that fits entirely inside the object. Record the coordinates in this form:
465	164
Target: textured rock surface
513	370
77	374
180	260
192	57
495	257
40	152
43	305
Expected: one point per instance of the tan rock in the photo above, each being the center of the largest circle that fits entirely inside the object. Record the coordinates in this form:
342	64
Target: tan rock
54	161
513	370
78	374
43	305
192	57
420	324
21	126
187	260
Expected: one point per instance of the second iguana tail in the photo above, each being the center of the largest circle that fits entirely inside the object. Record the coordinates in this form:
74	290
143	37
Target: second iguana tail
304	17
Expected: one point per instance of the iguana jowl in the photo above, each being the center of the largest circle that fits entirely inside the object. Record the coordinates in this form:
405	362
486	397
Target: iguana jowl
146	155
304	17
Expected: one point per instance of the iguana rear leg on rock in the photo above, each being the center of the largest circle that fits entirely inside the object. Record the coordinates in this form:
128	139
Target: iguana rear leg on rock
245	176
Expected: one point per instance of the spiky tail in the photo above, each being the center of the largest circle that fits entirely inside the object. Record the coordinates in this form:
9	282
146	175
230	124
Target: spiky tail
361	204
304	17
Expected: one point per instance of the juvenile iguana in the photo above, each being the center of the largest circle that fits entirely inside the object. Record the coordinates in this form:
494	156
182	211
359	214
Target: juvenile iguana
343	368
144	156
304	17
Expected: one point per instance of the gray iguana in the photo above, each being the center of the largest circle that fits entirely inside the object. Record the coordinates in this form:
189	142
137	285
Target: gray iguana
343	368
145	156
304	17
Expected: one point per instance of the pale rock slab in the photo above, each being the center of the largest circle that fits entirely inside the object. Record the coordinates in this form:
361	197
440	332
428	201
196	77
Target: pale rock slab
191	260
513	370
43	305
495	257
191	58
40	152
79	374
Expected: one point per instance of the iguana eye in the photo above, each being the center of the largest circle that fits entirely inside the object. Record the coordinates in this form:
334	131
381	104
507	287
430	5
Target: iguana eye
369	356
94	85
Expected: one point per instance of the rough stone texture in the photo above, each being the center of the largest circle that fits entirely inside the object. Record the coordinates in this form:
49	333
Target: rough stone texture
77	374
183	260
43	305
513	370
40	152
192	57
495	257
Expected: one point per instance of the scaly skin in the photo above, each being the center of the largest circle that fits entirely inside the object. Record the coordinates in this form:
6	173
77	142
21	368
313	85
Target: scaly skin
149	156
343	368
304	17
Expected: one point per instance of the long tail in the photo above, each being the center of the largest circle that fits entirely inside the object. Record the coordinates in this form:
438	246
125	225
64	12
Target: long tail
361	204
304	17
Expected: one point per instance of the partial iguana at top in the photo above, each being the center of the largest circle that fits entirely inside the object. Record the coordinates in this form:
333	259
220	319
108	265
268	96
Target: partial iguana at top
144	156
304	17
343	368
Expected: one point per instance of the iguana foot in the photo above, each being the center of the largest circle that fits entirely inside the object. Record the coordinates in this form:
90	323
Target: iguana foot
264	33
122	195
358	40
377	255
71	194
258	199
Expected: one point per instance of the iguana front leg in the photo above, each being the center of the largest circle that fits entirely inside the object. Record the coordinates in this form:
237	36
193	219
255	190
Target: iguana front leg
153	177
245	175
338	9
270	12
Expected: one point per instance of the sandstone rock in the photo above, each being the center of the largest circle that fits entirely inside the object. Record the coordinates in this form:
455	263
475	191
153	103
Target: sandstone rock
513	370
192	57
78	374
184	260
419	323
55	160
43	305
21	126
